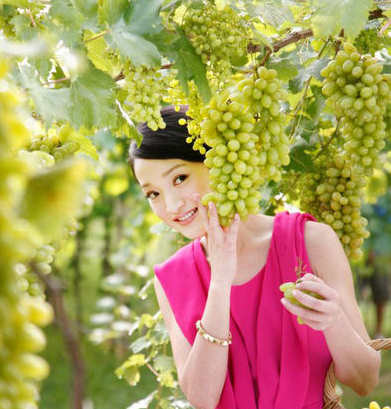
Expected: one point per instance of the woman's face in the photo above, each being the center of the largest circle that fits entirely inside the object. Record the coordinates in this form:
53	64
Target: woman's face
169	185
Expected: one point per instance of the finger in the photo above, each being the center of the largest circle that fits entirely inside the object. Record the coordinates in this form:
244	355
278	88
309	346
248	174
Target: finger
310	301
234	228
214	218
311	277
301	311
202	210
320	288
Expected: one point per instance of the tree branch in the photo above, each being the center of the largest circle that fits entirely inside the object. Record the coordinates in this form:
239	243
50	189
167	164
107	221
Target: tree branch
54	287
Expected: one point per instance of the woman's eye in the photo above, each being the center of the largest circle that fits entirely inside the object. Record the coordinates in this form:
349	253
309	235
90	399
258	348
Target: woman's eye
151	195
180	179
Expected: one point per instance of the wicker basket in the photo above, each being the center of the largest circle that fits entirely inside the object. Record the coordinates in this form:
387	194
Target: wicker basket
331	399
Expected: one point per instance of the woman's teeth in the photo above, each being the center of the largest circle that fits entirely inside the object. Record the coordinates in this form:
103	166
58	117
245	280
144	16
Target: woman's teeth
187	215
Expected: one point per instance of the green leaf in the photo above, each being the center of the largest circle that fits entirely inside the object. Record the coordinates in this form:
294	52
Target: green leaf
285	68
158	335
53	197
92	99
331	16
163	363
317	104
300	160
51	104
133	29
140	344
143	16
110	11
133	46
97	52
296	84
189	65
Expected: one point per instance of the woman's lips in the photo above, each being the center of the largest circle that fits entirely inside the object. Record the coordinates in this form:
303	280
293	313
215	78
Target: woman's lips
189	216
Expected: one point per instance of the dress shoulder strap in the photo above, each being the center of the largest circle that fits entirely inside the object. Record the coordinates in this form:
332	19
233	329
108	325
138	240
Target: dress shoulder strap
289	240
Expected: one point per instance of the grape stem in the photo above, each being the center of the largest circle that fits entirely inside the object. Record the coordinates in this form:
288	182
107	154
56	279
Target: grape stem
97	36
57	80
32	19
333	135
300	104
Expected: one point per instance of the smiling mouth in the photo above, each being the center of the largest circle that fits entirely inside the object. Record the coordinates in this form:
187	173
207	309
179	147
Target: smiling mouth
186	215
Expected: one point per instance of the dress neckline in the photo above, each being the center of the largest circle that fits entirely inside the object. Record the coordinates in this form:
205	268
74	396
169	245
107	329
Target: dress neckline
201	251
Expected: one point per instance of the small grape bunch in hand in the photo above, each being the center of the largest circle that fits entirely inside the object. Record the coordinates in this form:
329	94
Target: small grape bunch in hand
289	286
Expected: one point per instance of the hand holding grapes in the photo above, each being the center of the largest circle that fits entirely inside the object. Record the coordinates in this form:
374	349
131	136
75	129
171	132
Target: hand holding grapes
321	313
222	243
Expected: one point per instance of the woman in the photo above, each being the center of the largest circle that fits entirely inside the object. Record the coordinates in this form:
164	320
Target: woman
228	278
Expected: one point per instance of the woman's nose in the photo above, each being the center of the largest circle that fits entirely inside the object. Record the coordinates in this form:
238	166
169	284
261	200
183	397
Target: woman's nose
174	203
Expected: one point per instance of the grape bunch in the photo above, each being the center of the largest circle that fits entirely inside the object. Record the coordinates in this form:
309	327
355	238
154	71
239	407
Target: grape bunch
219	36
333	195
144	87
289	286
366	41
233	161
359	92
177	97
56	142
263	92
21	315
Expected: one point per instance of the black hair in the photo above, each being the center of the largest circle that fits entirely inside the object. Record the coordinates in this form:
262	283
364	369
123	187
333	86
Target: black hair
167	143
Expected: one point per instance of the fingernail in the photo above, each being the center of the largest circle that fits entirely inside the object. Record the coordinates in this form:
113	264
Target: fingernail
294	292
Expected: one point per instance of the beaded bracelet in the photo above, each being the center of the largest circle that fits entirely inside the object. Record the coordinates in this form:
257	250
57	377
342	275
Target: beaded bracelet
211	338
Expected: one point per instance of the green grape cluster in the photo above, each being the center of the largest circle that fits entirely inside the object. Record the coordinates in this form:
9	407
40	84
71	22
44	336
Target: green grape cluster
21	315
177	97
144	87
366	41
263	92
333	195
289	286
56	142
233	161
359	92
218	35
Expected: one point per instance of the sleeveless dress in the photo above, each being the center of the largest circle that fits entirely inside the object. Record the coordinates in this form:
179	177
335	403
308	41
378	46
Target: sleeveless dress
273	362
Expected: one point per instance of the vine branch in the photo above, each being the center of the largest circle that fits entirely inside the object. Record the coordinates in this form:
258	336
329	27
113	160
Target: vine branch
54	288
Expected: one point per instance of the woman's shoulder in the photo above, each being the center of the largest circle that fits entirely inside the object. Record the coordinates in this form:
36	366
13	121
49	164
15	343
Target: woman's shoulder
323	245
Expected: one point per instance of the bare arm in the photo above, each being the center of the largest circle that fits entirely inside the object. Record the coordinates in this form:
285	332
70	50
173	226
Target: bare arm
338	316
202	367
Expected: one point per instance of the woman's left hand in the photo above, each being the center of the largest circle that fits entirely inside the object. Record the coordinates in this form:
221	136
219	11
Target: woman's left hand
324	313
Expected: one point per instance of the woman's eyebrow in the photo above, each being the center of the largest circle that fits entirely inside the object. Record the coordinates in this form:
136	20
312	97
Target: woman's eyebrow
166	173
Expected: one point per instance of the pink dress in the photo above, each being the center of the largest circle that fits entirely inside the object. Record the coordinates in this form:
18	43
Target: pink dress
273	362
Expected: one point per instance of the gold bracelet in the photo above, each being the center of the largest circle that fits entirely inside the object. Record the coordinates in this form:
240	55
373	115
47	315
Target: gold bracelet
210	338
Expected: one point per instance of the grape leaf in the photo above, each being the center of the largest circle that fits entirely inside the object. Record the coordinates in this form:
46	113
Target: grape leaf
300	160
51	104
131	33
110	11
189	65
285	68
331	16
313	70
92	99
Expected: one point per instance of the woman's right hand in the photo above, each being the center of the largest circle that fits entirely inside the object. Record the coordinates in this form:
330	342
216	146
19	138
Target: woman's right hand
221	243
